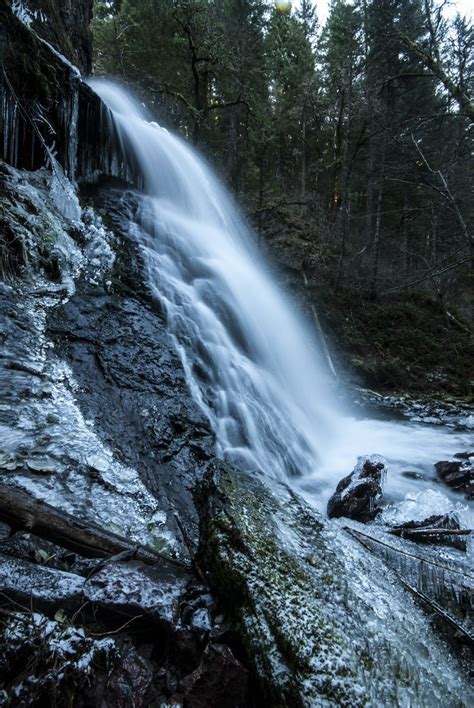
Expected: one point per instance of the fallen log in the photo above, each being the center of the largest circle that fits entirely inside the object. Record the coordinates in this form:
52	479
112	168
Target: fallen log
430	532
23	512
443	529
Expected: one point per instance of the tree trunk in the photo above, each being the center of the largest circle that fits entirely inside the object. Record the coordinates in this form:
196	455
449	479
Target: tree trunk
303	160
376	238
382	153
341	227
21	511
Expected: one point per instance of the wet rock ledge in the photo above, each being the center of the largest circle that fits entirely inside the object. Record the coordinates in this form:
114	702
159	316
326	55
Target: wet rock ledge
112	630
253	599
96	421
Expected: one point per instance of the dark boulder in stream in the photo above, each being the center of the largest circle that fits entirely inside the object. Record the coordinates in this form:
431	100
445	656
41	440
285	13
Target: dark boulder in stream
458	473
358	495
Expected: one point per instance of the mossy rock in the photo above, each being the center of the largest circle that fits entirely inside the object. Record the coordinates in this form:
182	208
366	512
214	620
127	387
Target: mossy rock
318	619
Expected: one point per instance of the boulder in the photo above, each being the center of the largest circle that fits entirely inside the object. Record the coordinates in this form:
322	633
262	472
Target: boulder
302	596
50	663
458	473
169	611
134	589
358	495
219	680
36	586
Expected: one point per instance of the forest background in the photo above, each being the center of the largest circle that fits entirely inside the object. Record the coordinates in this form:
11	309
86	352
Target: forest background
349	146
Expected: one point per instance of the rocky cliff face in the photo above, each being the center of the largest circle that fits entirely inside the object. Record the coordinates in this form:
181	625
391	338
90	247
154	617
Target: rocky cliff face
48	115
97	422
66	25
95	417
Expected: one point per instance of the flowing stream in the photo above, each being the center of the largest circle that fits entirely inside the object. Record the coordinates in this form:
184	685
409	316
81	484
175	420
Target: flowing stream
250	362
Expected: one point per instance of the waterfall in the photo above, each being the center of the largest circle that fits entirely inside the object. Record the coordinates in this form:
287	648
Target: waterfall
250	362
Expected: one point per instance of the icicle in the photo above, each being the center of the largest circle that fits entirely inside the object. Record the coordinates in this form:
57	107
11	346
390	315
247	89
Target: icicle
446	616
429	576
25	15
62	192
5	124
71	121
14	149
61	57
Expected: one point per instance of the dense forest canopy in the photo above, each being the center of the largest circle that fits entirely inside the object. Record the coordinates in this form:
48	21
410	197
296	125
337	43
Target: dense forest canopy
360	130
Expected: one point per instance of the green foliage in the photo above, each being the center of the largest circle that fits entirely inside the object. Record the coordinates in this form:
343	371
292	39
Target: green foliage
346	126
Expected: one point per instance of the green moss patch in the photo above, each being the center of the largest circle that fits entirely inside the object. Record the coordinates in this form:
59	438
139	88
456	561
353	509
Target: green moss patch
319	620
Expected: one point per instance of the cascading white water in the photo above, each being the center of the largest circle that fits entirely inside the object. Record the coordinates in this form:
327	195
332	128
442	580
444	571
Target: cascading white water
249	361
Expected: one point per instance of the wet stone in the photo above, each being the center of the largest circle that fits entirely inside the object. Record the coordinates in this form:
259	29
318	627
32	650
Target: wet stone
38	586
469	491
219	680
412	474
458	474
31	548
463	455
42	465
67	662
10	463
201	620
358	496
119	379
5	531
132	679
8	416
197	612
98	463
135	588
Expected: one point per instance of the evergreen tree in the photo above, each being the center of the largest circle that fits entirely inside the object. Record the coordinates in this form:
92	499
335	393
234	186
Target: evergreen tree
290	63
341	56
306	13
362	131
